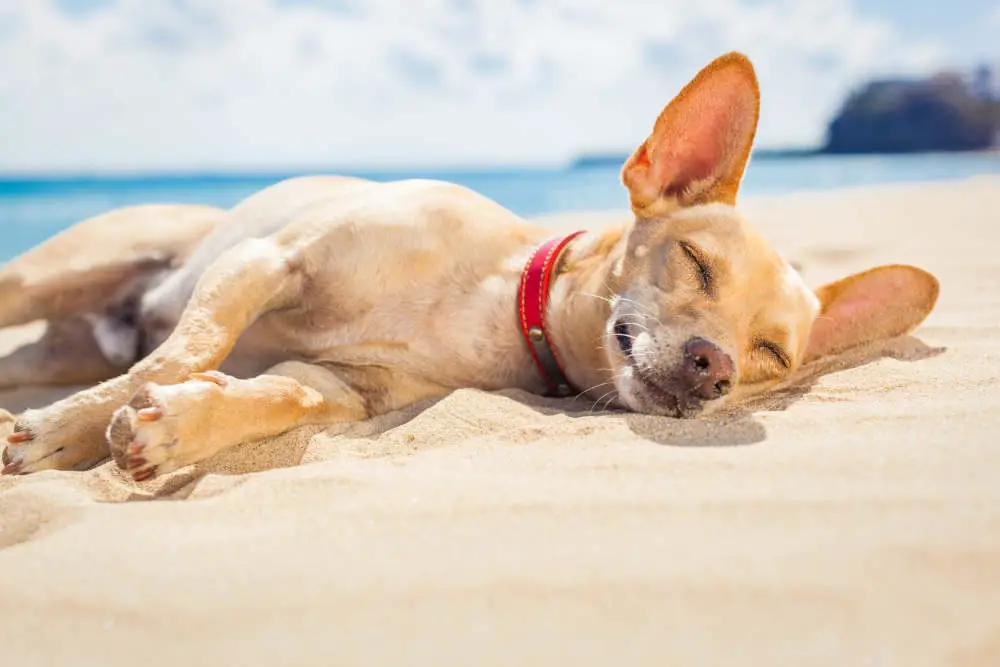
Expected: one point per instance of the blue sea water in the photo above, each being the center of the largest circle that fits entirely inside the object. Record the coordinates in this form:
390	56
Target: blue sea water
32	209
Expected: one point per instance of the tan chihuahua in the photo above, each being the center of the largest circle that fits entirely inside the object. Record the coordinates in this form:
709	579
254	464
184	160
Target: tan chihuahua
332	299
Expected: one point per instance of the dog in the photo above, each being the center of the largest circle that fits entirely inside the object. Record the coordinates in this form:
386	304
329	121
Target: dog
331	299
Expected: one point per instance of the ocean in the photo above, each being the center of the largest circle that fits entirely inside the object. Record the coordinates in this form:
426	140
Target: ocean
34	208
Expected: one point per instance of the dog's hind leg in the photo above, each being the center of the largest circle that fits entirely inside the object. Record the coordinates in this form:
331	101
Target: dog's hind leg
97	262
71	351
243	283
74	292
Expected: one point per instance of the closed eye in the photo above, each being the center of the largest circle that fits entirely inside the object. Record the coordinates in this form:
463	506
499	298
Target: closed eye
704	273
775	351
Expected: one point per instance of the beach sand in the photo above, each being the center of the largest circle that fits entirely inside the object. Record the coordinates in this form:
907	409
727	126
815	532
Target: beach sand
852	521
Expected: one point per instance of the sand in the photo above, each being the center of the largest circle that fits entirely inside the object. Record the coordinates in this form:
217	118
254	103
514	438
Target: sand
854	521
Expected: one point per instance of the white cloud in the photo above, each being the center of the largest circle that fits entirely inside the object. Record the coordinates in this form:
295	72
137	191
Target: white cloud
251	83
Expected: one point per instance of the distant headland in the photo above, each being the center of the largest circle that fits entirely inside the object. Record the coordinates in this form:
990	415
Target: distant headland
950	111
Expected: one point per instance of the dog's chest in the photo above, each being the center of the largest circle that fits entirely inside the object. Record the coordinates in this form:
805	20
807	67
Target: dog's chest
438	306
456	336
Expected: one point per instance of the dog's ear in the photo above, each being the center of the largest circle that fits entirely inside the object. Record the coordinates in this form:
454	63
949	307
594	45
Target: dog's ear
700	143
873	305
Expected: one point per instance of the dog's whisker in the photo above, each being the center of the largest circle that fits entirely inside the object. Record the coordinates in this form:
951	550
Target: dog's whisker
611	399
606	299
596	386
639	324
638	316
594	406
646	310
611	291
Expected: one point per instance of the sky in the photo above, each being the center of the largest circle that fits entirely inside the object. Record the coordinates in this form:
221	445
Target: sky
162	85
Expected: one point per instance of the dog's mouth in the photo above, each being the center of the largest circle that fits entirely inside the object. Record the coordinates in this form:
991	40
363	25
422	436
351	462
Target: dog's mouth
643	394
646	389
658	400
623	337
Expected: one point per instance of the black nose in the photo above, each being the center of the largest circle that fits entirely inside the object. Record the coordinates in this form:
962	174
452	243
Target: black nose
708	371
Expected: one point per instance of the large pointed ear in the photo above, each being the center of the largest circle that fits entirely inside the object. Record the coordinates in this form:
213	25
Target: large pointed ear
877	304
700	143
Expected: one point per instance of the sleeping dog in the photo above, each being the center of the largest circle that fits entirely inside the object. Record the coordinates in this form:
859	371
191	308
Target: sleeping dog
326	299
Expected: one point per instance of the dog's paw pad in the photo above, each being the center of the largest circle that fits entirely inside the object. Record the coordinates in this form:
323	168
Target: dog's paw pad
14	453
144	398
12	463
24	453
133	431
158	431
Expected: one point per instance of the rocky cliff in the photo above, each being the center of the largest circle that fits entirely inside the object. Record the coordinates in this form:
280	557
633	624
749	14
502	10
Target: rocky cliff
942	113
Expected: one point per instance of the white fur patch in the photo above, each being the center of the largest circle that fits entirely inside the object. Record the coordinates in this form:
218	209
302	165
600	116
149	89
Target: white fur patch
794	283
117	342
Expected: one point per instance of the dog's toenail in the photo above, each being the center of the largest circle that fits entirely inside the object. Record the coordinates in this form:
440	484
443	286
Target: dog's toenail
143	475
149	414
210	376
136	462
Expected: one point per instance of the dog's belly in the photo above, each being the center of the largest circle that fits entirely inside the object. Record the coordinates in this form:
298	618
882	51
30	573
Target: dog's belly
417	276
258	216
461	337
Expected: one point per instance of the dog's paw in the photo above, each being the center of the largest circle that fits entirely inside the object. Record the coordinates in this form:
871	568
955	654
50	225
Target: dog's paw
46	440
165	427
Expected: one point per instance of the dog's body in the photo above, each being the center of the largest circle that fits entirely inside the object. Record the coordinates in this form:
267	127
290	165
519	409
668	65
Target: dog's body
328	299
87	283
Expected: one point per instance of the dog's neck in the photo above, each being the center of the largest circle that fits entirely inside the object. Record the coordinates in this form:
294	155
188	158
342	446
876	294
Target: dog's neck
580	305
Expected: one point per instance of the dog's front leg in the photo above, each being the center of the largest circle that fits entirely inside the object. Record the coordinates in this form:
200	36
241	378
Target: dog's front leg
243	283
166	427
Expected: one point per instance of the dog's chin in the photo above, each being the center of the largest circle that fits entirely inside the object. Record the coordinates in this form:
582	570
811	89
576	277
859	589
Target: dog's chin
640	395
645	399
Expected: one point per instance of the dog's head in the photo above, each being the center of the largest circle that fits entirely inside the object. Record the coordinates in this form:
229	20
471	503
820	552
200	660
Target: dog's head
703	305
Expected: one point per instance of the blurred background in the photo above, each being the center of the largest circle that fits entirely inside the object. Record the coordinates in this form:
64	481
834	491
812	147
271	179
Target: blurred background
534	103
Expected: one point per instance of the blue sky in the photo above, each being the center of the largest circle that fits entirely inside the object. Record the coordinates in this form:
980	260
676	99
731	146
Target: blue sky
968	30
256	84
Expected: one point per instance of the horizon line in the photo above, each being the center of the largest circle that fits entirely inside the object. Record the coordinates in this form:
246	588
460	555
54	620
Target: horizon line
234	171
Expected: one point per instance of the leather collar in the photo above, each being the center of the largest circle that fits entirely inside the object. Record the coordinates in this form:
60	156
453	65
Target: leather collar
532	298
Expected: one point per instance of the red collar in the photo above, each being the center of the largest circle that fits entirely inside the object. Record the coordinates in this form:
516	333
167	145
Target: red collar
532	298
